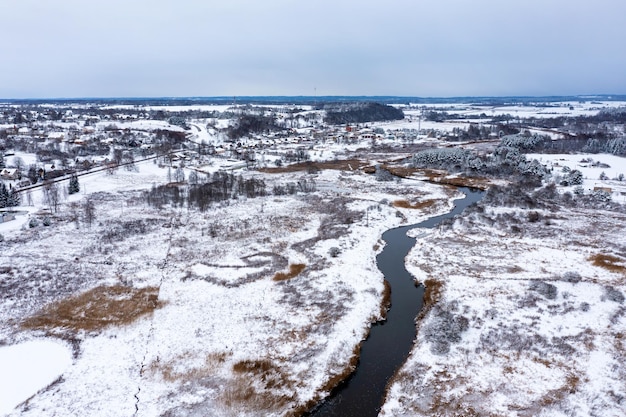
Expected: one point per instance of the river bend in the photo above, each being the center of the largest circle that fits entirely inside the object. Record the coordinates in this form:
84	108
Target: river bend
391	341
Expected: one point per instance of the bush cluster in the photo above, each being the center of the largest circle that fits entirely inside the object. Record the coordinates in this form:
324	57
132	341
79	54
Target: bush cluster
444	328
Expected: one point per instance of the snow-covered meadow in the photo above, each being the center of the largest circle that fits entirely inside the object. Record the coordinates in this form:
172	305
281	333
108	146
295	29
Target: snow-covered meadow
177	312
599	170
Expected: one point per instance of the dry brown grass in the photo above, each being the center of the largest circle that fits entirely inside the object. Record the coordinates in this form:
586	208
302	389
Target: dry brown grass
256	385
433	174
257	367
619	344
542	361
557	395
480	183
178	370
433	289
335	380
341	165
404	172
386	302
96	309
417	206
444	404
441	177
239	395
259	385
294	271
508	370
608	262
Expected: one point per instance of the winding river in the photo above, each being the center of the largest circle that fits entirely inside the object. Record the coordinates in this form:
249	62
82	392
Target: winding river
389	342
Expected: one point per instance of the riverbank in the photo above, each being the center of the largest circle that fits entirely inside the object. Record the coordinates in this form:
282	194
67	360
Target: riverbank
389	343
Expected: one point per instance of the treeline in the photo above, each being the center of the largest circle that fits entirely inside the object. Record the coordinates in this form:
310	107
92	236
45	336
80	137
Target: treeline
221	186
506	160
247	124
581	123
581	143
479	132
360	113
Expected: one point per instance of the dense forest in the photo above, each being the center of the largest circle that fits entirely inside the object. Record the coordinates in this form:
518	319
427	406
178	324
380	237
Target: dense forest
360	113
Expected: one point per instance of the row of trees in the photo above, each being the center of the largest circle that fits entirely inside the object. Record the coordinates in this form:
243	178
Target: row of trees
221	186
581	143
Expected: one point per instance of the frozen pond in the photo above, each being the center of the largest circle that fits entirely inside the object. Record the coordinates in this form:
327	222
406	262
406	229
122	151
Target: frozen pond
28	367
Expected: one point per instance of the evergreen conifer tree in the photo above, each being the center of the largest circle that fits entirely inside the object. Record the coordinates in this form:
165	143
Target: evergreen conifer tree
74	186
4	196
13	199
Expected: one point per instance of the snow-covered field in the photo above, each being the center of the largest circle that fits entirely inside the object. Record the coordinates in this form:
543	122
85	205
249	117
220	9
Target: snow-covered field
146	125
553	109
177	312
529	319
29	367
592	167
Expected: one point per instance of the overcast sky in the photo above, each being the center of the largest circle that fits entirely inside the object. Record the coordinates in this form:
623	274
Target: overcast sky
428	48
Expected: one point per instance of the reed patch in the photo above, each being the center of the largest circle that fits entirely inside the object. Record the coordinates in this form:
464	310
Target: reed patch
96	309
294	271
608	262
420	205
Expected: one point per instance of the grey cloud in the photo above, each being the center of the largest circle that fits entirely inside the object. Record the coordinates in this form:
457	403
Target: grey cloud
427	48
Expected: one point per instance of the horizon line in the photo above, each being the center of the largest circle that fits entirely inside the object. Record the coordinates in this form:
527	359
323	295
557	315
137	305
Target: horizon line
609	96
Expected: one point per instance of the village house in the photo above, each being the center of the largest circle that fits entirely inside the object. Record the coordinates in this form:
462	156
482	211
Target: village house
10	174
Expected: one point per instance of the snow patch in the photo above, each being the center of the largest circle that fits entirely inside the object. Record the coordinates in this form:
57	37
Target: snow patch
27	368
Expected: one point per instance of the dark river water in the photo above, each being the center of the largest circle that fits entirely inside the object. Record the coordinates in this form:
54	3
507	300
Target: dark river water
389	342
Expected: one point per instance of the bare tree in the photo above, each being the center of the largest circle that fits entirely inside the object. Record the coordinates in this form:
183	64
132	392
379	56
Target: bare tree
89	211
179	175
129	162
18	163
51	195
117	155
111	168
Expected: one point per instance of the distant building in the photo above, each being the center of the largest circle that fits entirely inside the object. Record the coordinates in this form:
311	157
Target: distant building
605	189
366	134
7	217
10	174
